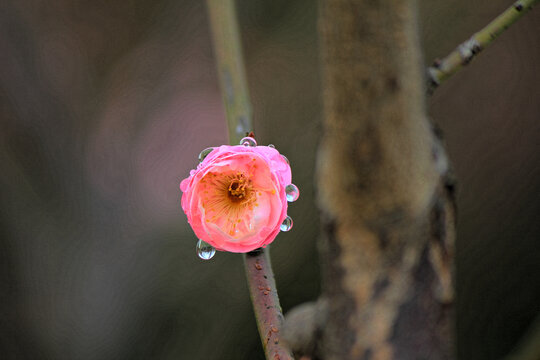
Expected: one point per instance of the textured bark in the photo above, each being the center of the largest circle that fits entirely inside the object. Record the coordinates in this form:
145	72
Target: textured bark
387	213
265	300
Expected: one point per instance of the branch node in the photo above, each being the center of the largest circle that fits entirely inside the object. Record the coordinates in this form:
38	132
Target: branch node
464	53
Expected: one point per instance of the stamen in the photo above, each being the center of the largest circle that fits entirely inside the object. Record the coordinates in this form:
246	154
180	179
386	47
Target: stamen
230	199
239	188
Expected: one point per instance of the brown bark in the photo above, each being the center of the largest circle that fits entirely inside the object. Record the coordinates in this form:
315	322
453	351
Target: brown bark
263	292
387	213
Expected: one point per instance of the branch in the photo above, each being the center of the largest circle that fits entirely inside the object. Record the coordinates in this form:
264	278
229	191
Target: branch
262	288
441	70
387	218
528	348
231	72
230	67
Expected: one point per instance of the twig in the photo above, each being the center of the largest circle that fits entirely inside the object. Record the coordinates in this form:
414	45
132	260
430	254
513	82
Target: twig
464	53
261	284
528	348
230	67
264	297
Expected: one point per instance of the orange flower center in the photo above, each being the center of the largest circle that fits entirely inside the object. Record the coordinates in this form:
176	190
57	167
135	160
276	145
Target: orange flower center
239	188
228	199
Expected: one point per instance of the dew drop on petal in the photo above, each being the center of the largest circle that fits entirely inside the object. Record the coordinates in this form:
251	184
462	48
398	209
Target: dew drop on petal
271	146
291	192
205	251
286	225
248	141
205	153
285	158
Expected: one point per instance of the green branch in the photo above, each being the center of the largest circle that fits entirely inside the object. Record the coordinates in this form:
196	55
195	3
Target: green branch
441	70
230	68
232	77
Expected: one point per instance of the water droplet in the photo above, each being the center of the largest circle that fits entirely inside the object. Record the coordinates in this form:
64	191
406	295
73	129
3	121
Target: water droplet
248	141
205	153
286	225
272	146
291	192
205	251
285	158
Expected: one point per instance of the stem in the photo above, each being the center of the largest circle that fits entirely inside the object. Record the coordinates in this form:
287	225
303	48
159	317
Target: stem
262	288
230	68
441	70
232	77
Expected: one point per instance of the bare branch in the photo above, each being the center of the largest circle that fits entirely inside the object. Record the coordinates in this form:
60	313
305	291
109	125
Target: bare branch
387	215
441	70
230	68
262	288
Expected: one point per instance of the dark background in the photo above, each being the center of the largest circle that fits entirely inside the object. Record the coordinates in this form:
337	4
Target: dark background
104	106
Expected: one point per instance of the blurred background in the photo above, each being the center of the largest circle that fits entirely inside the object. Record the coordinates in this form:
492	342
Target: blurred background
104	107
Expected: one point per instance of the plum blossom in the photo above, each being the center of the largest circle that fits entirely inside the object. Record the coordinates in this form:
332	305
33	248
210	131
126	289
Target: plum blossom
235	200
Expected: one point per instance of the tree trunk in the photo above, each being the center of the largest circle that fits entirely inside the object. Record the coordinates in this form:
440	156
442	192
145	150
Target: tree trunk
387	213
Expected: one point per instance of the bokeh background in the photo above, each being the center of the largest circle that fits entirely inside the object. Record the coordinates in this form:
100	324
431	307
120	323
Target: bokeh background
104	107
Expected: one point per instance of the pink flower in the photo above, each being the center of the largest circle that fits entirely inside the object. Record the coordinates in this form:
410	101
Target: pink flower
235	200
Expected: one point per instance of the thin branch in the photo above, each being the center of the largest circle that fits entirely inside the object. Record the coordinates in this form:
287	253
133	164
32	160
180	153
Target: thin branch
262	288
231	72
528	348
441	70
230	67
